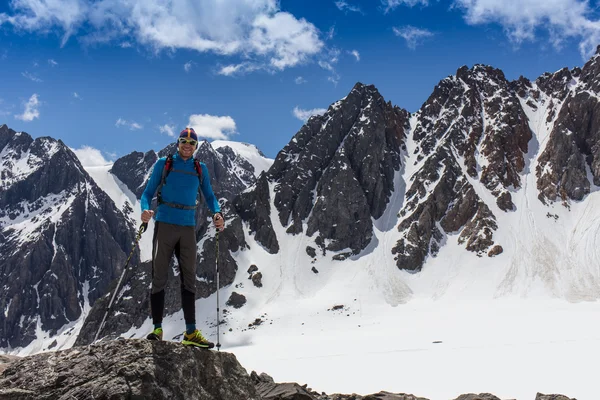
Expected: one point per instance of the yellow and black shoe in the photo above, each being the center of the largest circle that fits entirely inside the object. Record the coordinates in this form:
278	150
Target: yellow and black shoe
156	334
196	339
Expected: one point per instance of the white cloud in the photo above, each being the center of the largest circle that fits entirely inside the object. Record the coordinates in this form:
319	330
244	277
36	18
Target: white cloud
188	66
125	45
168	129
412	35
90	157
132	125
330	33
328	63
238	69
31	111
255	29
391	4
356	54
3	111
303	115
212	127
43	15
344	6
76	95
52	62
300	80
521	18
31	76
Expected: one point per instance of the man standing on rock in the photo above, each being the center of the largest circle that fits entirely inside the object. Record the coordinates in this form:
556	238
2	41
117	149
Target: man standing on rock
176	180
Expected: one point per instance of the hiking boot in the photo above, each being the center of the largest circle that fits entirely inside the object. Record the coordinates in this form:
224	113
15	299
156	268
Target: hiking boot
155	334
196	339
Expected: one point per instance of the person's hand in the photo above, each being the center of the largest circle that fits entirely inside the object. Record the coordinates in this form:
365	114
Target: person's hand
219	221
146	215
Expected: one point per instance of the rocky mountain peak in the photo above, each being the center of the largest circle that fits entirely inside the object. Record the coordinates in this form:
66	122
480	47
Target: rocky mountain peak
328	178
57	227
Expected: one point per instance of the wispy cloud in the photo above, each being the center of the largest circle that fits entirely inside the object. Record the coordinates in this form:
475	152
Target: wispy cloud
238	69
31	111
328	63
52	63
132	125
330	33
167	129
561	19
212	127
304	115
90	157
344	6
4	109
76	95
188	66
31	76
300	80
125	45
392	4
413	36
258	29
356	54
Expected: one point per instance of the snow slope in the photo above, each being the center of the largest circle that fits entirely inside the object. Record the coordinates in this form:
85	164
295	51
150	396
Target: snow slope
513	325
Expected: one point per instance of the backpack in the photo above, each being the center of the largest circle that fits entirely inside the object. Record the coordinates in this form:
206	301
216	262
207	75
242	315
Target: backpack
165	173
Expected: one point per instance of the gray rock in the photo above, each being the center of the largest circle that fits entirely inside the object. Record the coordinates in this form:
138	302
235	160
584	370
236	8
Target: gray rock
257	279
236	300
481	396
128	369
540	396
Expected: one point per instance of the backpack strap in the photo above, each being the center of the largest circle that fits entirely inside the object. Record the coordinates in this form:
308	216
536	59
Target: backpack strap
198	172
163	180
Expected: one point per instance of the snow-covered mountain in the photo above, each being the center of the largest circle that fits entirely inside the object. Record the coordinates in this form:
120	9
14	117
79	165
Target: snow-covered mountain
62	241
488	192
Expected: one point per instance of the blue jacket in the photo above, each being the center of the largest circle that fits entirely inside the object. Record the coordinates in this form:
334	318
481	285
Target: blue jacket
179	188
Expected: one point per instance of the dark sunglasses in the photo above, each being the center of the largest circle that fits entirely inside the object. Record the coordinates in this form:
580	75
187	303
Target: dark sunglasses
190	141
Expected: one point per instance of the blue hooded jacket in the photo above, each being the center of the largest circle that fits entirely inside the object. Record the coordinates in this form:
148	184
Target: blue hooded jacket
179	188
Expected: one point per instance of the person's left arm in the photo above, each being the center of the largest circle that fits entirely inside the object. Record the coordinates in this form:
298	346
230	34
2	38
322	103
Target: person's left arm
211	199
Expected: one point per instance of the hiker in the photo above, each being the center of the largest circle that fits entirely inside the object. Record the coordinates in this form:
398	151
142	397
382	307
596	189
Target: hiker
176	179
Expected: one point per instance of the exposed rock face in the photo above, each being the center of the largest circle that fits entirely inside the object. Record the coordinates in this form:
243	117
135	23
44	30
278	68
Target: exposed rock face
541	396
254	206
62	238
161	370
128	369
132	170
573	148
5	360
471	128
337	172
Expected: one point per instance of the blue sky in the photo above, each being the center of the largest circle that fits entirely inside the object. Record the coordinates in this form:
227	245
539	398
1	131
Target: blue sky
125	75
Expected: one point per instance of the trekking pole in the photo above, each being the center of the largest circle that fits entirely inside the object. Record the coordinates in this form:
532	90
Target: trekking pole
142	229
217	264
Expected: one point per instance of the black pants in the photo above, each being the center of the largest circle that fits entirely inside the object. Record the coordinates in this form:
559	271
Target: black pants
181	240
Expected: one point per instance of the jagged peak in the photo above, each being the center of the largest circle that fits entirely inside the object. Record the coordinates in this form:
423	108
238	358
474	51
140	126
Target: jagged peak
480	72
